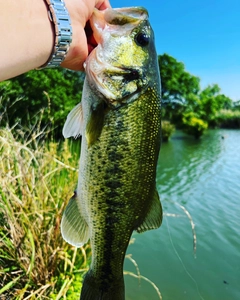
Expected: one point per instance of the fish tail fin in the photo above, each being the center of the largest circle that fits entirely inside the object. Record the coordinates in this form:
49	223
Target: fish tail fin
94	289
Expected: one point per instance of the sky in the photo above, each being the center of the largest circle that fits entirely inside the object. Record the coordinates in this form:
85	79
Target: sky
203	34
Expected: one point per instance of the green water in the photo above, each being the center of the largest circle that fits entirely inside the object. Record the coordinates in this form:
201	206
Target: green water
204	177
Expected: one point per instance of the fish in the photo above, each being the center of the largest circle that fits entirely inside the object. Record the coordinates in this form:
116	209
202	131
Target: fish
119	121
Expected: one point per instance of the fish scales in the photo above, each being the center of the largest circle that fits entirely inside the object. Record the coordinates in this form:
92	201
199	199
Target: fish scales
121	135
121	188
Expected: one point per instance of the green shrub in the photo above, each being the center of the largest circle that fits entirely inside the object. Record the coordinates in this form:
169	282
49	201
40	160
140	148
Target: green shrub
49	92
167	130
228	119
193	125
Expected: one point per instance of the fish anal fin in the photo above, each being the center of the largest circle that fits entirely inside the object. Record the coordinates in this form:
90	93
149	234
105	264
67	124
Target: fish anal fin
95	123
153	219
73	126
74	228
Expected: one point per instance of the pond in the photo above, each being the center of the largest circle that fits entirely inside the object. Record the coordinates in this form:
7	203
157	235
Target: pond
197	180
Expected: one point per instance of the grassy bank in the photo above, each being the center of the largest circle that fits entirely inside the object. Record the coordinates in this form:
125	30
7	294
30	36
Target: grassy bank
36	181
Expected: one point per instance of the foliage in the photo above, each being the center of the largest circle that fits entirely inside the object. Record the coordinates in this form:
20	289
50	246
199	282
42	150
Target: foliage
51	92
35	262
228	119
206	104
176	82
184	103
211	101
236	105
193	125
167	130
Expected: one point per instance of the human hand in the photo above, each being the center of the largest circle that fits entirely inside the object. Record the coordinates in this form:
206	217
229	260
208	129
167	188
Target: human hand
80	11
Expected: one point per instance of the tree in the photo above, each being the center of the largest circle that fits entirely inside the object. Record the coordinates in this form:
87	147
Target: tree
177	85
211	102
54	92
236	105
176	82
193	125
204	107
184	103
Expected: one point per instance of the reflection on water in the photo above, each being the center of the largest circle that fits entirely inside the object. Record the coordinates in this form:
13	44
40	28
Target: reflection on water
184	161
204	176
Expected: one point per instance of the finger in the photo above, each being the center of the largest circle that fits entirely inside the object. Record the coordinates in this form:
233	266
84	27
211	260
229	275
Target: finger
101	5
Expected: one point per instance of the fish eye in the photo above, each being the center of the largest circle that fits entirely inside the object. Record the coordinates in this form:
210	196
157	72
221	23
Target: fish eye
142	39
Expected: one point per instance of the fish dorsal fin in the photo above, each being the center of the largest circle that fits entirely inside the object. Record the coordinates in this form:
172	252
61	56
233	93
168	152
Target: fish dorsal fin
74	123
95	123
74	228
153	218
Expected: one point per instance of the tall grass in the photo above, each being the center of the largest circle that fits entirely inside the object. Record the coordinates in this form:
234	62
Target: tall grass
36	181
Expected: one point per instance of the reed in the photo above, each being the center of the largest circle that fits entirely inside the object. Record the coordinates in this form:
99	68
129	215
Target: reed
37	178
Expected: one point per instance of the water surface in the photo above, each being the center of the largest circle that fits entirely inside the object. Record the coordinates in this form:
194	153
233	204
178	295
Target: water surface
203	176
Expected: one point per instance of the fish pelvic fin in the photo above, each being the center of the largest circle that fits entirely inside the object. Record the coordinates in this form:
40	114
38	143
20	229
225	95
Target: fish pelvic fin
153	219
95	123
74	228
73	126
94	289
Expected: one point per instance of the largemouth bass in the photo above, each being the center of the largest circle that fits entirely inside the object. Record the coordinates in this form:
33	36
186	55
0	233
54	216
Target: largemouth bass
119	120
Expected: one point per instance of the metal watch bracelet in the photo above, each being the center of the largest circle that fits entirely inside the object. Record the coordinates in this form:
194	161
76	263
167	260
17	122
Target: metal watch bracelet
60	18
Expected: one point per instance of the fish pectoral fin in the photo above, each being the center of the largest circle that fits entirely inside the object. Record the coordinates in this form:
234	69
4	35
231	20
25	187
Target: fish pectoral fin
74	123
153	218
74	228
95	123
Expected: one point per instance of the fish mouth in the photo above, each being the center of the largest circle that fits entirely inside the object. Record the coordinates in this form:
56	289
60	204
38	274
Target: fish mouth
92	43
116	81
94	28
112	18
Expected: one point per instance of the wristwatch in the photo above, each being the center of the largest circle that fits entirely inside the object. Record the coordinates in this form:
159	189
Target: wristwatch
60	18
